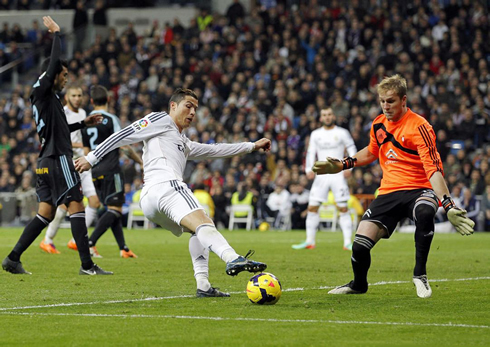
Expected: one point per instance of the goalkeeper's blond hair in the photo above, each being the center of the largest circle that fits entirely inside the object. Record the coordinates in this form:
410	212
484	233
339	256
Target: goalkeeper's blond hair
396	83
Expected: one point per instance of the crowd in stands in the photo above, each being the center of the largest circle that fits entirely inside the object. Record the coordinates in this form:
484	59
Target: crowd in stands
26	5
269	72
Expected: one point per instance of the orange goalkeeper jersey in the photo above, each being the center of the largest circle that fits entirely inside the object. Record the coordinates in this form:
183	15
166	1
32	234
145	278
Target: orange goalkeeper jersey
406	150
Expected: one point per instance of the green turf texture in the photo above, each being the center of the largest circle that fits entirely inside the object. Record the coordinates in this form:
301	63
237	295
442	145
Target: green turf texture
150	301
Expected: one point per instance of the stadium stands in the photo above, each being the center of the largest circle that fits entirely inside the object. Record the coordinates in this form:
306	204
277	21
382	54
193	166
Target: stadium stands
269	74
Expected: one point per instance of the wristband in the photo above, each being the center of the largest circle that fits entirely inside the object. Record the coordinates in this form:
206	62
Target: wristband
83	125
348	163
447	203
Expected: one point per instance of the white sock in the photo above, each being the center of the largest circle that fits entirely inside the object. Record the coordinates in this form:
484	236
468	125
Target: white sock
54	225
90	215
345	222
312	222
212	239
200	262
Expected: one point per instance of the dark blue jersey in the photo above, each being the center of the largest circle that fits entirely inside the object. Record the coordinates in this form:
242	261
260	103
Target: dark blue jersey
52	127
96	135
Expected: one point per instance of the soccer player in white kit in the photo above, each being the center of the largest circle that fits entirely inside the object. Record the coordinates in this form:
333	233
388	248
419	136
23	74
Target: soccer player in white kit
327	141
74	114
166	199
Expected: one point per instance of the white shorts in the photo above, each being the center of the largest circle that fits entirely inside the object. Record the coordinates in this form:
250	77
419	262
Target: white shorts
323	184
167	203
88	188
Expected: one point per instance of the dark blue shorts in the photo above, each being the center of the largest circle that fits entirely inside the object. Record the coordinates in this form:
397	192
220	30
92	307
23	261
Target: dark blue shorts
110	189
57	181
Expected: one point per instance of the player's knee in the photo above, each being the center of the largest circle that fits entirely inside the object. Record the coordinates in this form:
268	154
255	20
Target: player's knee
362	245
313	209
342	209
94	203
208	228
423	215
424	211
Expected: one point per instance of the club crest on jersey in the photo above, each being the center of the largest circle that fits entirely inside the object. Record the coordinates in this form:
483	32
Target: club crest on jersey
391	154
381	135
141	124
181	147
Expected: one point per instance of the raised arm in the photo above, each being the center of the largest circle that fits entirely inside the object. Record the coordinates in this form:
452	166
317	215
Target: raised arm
46	80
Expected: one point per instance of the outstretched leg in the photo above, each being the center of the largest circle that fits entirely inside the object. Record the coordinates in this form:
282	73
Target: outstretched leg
200	262
211	238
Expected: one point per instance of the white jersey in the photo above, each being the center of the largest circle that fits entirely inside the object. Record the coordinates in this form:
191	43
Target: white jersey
328	143
165	150
76	136
280	202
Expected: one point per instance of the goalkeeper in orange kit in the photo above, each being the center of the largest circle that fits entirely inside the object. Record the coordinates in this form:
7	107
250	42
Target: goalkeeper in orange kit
412	185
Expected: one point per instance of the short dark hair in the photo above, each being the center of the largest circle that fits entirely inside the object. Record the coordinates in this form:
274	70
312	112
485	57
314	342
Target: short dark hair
99	95
74	86
179	94
59	68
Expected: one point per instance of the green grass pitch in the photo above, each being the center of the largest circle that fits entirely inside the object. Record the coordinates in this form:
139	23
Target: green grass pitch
150	301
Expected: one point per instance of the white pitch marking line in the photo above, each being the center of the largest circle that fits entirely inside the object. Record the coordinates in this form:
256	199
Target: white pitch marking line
2	309
273	320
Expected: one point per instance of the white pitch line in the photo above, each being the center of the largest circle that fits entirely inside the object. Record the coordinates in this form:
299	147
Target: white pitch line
3	309
249	319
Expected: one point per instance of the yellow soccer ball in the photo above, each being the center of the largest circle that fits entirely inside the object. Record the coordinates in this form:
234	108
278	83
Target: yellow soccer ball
264	226
264	289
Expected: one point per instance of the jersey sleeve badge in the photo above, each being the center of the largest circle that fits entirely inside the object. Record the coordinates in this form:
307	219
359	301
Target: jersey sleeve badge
141	124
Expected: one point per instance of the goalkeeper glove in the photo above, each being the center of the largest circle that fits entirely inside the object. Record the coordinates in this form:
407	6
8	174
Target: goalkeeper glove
457	217
333	166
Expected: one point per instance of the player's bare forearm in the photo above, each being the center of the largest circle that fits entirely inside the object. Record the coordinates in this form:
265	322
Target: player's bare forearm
77	145
131	153
439	185
81	165
364	157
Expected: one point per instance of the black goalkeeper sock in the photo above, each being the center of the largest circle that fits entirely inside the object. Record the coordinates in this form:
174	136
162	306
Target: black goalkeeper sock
79	232
423	240
30	233
361	261
102	225
424	233
117	230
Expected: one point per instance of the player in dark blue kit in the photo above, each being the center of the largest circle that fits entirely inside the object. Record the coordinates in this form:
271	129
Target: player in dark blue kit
107	175
57	181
